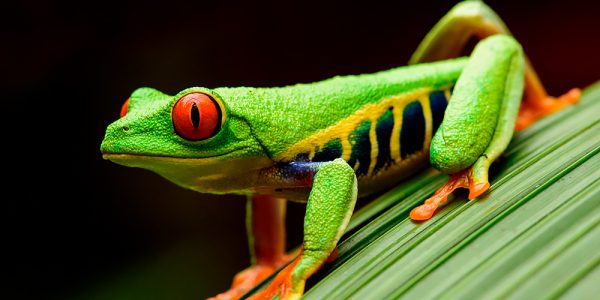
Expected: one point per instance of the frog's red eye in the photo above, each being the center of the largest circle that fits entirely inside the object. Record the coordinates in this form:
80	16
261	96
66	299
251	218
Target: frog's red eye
196	116
124	108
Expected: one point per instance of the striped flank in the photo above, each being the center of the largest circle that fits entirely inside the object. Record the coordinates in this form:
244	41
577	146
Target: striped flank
379	135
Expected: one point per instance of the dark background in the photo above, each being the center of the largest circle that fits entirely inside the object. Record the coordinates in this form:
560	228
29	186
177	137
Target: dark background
79	227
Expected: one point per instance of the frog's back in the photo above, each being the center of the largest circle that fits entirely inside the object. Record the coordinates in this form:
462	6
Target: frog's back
380	123
383	141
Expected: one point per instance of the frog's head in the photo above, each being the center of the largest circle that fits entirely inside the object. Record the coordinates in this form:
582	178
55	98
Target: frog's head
191	139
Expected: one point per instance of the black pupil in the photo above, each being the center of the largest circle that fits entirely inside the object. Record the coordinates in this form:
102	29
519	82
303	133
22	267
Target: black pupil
195	115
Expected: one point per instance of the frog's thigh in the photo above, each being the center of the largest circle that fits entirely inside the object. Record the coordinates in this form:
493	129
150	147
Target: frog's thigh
479	121
468	19
450	35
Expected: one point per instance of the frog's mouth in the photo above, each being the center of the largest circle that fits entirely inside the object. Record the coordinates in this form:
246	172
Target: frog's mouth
200	174
220	164
147	161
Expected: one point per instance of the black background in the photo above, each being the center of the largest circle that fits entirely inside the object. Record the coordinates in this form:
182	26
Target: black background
79	227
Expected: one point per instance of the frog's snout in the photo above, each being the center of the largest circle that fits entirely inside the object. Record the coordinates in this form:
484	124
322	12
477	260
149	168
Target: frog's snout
115	134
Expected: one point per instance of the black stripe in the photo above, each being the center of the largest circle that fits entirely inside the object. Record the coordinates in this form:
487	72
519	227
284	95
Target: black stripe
361	148
412	133
330	151
438	104
384	127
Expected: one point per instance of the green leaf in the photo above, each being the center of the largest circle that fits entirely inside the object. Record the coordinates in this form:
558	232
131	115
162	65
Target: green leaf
535	234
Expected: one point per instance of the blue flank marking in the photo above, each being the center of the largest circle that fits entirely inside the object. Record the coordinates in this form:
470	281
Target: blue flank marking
331	150
298	171
412	133
361	148
438	104
383	130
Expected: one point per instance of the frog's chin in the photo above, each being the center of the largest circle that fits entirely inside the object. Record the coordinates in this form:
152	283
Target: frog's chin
199	173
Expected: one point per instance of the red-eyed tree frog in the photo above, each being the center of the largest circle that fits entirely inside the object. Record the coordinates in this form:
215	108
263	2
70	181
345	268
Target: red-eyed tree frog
327	143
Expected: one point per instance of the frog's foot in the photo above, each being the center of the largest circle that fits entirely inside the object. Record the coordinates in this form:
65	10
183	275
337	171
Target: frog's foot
246	280
462	179
281	285
533	109
252	276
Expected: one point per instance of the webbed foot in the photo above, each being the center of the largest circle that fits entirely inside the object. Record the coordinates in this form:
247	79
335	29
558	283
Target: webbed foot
462	179
282	285
250	277
244	281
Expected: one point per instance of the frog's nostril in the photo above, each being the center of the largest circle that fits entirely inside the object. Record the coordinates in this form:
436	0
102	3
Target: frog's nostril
125	128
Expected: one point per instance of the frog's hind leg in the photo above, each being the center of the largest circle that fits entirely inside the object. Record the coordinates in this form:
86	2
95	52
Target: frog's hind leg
265	222
447	39
537	103
479	120
474	19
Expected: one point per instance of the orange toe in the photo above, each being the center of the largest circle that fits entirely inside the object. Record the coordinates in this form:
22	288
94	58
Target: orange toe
427	209
462	179
422	212
476	189
281	284
244	281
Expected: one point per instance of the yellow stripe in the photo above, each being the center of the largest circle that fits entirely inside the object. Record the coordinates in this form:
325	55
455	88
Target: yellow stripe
343	128
374	146
346	147
447	94
428	119
395	138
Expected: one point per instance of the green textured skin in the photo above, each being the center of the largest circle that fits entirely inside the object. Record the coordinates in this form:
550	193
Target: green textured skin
147	130
472	116
265	121
262	123
330	205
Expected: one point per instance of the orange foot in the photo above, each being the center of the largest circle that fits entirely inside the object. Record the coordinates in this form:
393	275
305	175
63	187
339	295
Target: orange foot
245	280
250	277
462	179
281	284
531	110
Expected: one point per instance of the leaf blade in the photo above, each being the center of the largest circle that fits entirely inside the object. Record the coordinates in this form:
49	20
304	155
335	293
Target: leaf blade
393	260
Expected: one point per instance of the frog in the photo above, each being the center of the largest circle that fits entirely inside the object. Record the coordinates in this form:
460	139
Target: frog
331	142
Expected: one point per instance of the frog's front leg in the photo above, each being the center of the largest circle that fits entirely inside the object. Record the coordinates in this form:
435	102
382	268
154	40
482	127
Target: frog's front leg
330	205
265	222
